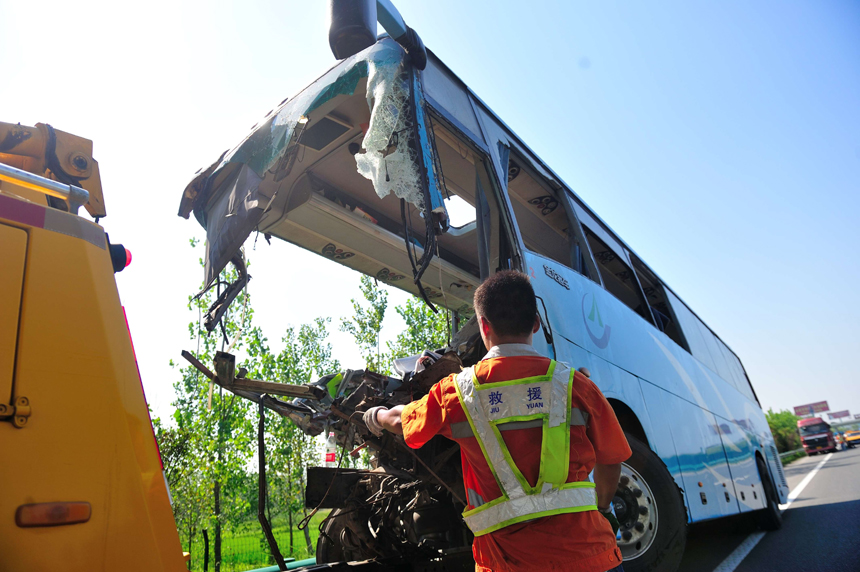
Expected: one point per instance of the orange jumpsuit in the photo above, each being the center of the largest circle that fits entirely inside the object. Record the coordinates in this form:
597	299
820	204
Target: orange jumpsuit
574	542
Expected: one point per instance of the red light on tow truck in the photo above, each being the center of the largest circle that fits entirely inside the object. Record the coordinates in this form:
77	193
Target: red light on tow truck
120	257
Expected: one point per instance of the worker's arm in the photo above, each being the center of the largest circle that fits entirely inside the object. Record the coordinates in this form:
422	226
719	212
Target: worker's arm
606	482
390	419
378	419
606	436
418	421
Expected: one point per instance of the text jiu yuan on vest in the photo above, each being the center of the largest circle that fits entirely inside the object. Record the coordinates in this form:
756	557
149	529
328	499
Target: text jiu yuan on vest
495	399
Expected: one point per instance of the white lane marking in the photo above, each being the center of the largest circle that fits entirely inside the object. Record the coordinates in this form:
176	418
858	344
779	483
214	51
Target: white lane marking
737	556
799	488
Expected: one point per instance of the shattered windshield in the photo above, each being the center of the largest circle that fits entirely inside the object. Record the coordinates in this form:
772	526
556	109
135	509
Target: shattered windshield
231	197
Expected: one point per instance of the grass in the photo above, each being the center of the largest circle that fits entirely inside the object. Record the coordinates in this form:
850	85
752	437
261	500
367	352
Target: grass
246	548
792	458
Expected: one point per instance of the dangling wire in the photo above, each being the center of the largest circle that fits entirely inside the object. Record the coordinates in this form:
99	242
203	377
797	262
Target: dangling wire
197	355
416	272
429	231
238	335
444	297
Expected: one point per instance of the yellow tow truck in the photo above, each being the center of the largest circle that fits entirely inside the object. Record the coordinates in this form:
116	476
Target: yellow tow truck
82	482
82	485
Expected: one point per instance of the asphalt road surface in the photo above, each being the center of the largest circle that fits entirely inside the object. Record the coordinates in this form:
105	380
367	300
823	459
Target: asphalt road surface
820	530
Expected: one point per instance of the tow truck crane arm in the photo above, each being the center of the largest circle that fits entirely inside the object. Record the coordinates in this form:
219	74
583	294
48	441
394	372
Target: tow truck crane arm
56	155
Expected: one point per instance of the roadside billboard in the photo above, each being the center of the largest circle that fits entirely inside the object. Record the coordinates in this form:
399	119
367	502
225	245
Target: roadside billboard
811	408
839	414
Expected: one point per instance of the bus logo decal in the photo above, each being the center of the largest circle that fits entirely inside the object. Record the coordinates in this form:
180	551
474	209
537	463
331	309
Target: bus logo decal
594	322
555	276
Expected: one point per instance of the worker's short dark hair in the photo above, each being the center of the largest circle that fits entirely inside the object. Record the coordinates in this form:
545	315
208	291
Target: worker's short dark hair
507	300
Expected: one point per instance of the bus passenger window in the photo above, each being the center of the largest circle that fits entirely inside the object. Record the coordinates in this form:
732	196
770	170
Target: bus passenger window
664	319
695	332
541	217
475	240
737	374
617	277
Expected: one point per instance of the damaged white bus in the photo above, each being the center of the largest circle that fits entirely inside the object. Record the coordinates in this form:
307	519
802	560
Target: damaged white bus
389	141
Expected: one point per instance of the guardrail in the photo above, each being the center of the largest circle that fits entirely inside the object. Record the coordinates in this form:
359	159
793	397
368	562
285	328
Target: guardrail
787	453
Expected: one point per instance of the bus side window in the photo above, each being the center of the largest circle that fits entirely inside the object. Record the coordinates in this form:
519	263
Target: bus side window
617	277
544	217
693	329
664	318
721	366
739	376
476	240
703	344
748	390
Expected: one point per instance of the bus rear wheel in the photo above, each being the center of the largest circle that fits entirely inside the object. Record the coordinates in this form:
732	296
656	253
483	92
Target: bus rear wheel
650	510
770	517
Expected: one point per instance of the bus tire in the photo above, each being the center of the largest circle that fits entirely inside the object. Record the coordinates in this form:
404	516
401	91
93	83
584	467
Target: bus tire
653	520
770	517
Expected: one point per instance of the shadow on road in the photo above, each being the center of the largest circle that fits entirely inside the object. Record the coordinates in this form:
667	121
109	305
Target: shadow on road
820	537
708	543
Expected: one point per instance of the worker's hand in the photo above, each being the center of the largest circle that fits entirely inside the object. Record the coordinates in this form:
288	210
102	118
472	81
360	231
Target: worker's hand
613	522
372	422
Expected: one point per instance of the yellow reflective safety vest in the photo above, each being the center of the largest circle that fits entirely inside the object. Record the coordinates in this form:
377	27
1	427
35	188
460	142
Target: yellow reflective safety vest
543	401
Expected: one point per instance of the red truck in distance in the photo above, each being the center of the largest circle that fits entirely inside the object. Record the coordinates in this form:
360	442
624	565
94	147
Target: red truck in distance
816	435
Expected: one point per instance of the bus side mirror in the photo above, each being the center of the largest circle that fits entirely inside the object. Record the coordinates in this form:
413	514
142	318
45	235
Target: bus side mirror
353	26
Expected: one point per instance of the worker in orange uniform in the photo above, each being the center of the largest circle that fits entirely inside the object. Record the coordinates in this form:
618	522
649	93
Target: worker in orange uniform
530	431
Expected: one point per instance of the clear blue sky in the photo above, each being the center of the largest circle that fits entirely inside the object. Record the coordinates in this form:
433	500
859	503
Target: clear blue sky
720	140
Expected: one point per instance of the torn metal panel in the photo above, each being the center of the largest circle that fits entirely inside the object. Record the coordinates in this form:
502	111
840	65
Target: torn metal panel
219	193
232	217
196	189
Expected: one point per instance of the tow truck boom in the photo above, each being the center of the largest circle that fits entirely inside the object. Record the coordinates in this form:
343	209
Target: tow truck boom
57	156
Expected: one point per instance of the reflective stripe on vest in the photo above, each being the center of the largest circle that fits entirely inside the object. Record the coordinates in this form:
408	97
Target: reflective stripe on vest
547	400
463	430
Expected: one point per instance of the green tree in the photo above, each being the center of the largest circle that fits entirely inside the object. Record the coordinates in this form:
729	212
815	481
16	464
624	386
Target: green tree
783	425
424	329
366	323
307	355
190	492
215	430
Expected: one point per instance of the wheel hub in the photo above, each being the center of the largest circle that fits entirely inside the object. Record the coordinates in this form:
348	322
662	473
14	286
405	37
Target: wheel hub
636	510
